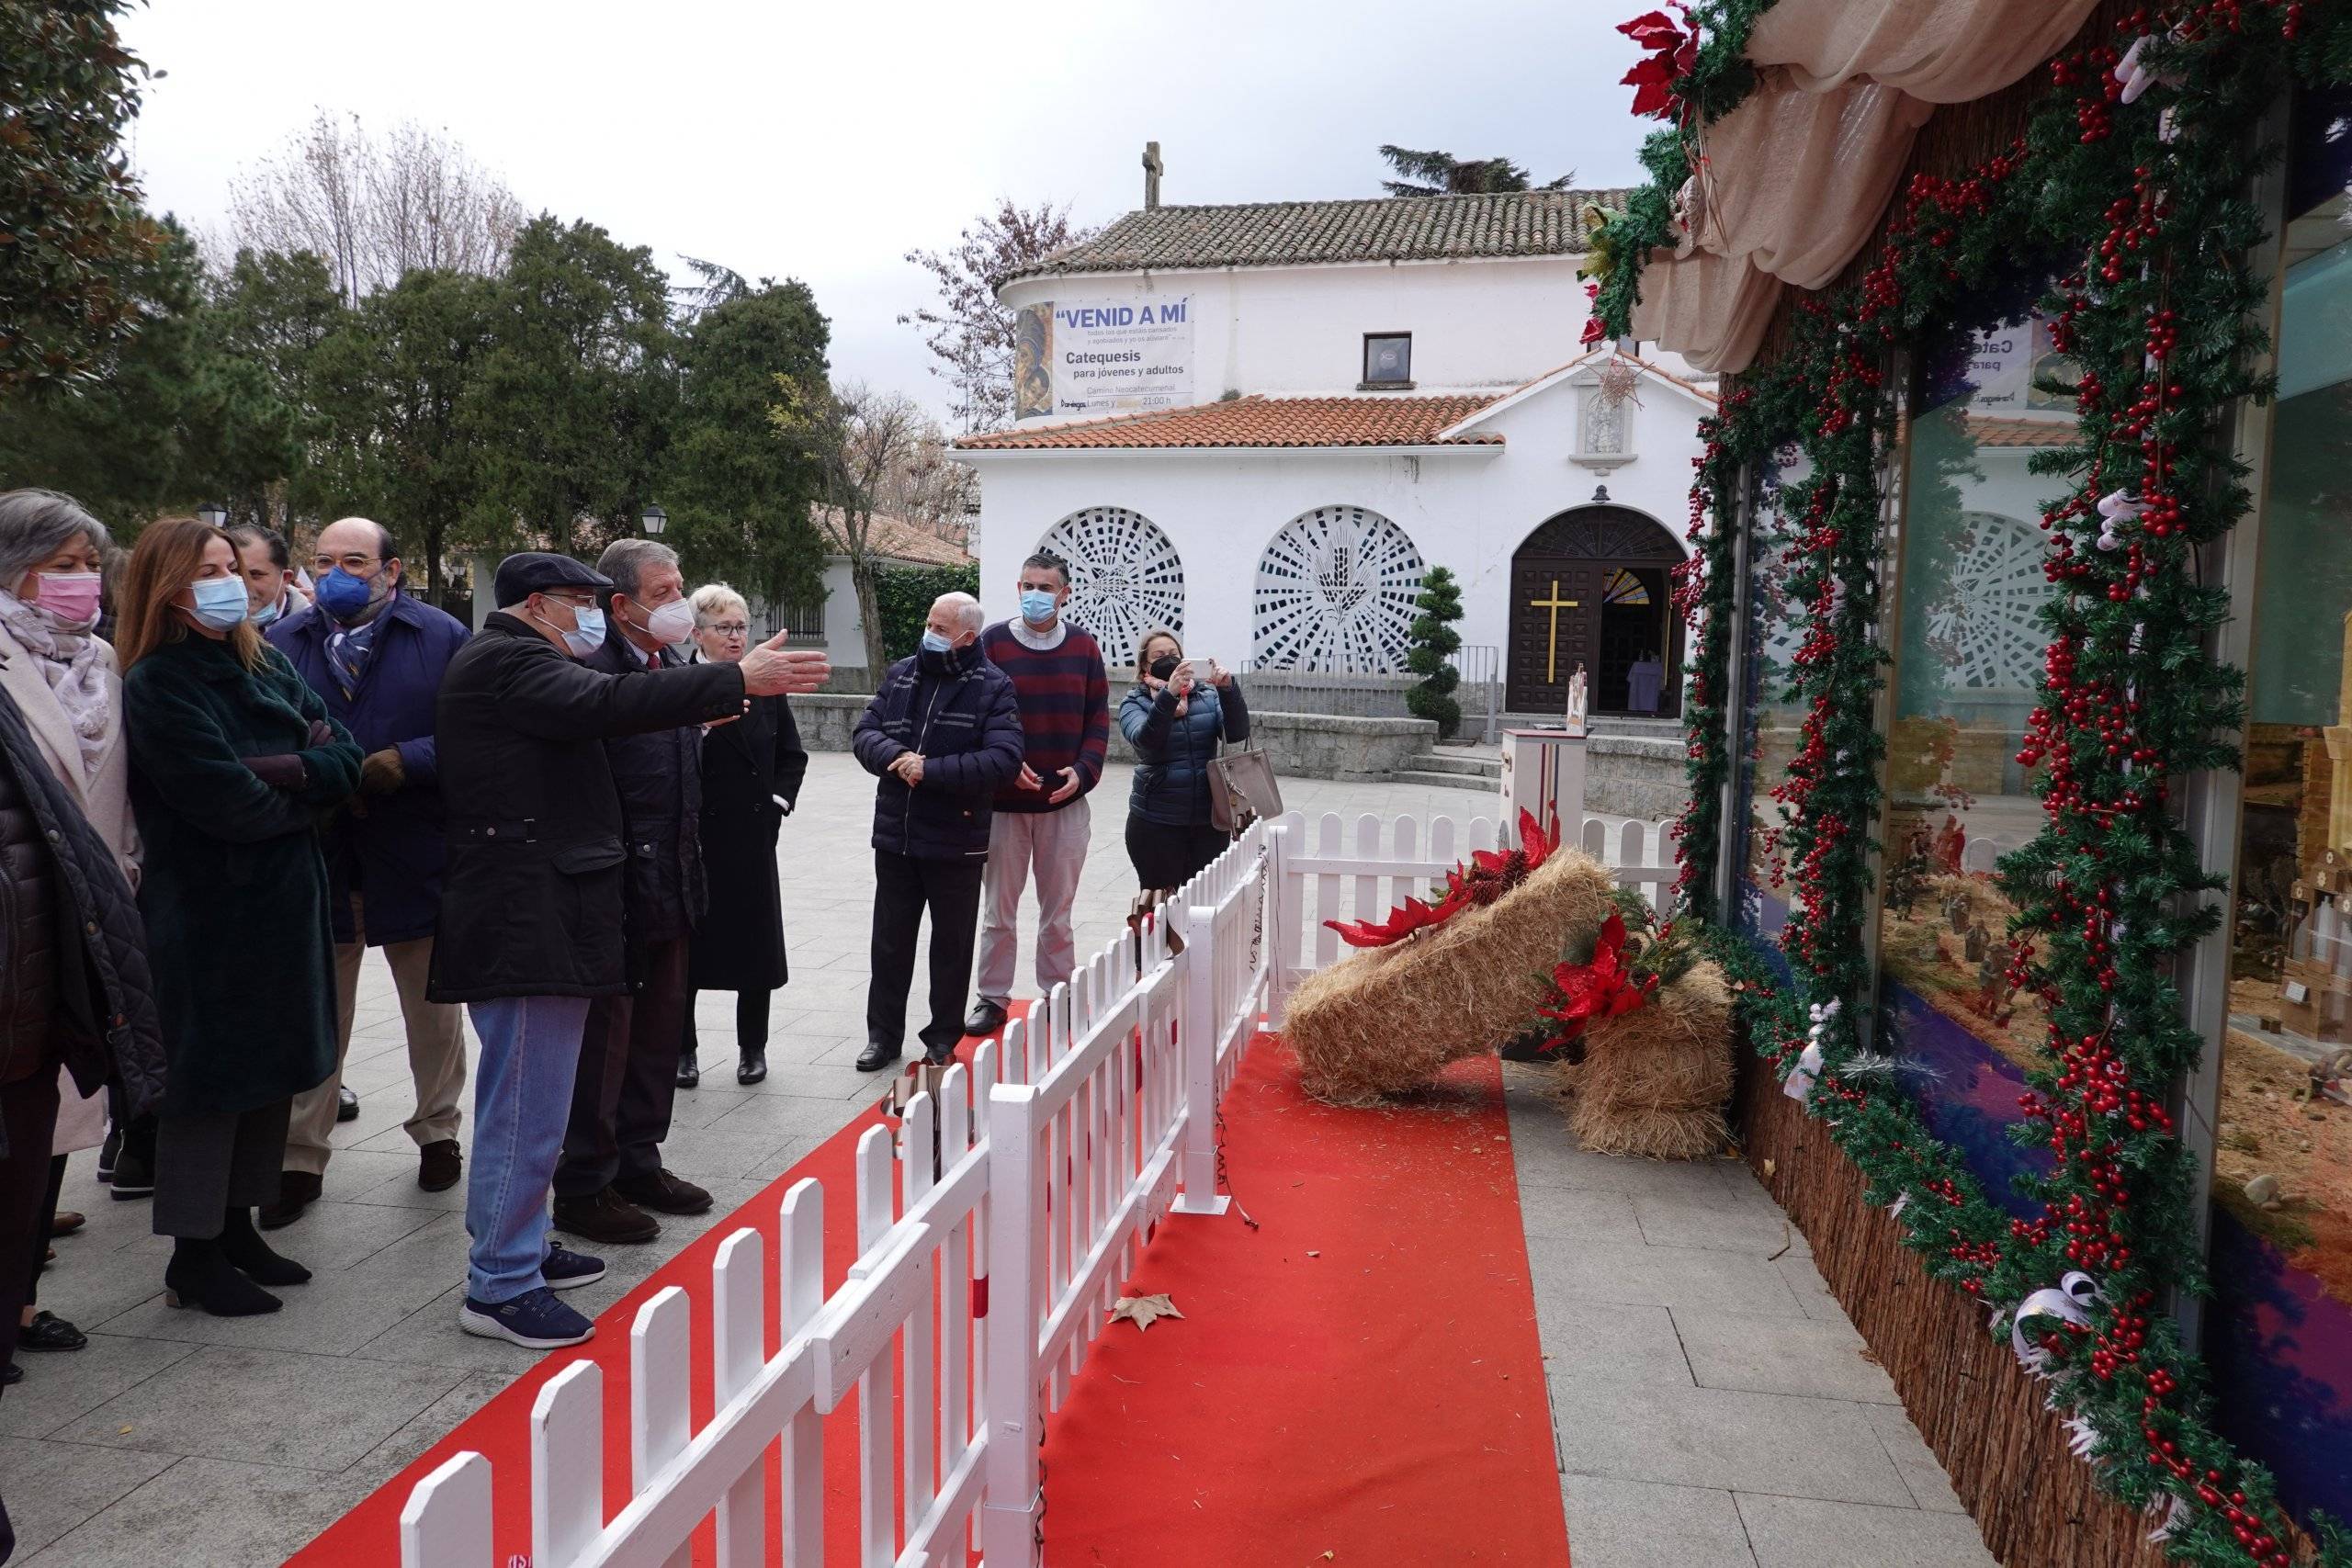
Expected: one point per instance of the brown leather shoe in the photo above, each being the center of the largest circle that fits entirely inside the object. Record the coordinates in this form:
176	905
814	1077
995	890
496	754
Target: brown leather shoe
297	1190
438	1164
663	1193
605	1217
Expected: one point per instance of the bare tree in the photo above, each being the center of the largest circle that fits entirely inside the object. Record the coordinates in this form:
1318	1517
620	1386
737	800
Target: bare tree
969	330
375	209
928	489
864	441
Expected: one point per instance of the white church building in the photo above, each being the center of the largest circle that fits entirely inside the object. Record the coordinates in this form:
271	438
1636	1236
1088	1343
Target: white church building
1262	425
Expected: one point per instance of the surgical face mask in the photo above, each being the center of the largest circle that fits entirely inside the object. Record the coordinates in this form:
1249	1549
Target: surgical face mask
1036	606
588	632
934	643
672	623
344	596
266	614
220	600
70	597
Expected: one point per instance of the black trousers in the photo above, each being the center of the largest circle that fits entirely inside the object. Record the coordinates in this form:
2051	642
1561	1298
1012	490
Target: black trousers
208	1162
751	1024
45	1225
1167	857
28	1118
904	888
629	1078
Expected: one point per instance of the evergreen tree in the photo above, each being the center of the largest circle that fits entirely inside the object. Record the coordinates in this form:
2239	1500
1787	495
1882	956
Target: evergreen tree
1433	640
1442	174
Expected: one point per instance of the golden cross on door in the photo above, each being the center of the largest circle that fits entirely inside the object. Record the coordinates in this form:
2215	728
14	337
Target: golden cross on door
1552	649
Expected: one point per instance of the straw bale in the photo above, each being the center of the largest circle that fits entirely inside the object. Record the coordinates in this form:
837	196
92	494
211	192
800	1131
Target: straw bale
1385	1020
1655	1081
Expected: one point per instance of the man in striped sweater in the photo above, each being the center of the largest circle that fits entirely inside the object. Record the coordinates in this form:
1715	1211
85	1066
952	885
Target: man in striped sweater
1042	818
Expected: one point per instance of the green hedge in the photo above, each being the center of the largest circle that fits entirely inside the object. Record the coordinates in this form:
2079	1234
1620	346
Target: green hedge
903	599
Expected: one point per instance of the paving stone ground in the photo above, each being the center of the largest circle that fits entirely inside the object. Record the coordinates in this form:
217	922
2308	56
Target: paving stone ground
1712	1406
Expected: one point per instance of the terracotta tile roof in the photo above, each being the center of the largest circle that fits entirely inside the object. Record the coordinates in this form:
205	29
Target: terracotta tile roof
898	539
1293	233
1378	420
1987	430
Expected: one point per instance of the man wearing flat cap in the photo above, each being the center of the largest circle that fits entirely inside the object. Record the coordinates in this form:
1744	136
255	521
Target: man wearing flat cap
530	926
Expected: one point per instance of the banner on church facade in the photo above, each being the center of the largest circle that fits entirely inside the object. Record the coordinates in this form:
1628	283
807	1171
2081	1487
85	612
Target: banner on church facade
1073	358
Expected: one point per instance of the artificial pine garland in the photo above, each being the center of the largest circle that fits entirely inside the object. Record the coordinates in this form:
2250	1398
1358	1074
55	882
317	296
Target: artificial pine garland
2159	317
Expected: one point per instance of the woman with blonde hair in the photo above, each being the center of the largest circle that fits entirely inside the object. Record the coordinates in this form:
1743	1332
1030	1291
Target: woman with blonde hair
1179	713
233	760
752	768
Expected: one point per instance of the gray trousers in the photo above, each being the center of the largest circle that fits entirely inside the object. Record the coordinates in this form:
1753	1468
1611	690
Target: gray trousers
1052	844
210	1162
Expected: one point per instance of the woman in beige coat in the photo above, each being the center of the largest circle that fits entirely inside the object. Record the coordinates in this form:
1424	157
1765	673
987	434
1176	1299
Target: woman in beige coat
63	678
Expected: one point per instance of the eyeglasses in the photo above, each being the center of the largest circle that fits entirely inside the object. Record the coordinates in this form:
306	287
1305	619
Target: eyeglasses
352	564
728	629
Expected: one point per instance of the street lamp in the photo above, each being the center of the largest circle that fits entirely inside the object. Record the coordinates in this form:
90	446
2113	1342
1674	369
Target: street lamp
654	519
213	513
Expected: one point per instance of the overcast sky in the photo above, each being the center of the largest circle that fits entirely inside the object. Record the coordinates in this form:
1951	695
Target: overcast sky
823	142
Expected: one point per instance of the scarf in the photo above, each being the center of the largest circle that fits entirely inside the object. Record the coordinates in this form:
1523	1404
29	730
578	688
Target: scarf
75	665
347	651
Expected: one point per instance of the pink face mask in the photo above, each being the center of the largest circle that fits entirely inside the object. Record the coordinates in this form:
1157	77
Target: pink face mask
70	597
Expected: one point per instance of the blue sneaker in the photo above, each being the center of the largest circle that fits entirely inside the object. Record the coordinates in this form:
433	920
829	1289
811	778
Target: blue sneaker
564	1269
535	1320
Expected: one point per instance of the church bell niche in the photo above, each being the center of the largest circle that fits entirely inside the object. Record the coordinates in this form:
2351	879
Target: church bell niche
1591	590
1336	592
1125	577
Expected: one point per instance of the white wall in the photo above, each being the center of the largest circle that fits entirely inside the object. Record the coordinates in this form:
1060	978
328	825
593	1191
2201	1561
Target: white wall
1467	510
1477	325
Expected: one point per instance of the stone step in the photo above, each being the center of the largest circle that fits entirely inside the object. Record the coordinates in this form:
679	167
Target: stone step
1470	764
1477	784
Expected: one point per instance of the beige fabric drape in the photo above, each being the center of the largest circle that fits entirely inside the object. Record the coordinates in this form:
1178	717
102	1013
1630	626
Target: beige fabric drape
1945	51
1711	310
1796	180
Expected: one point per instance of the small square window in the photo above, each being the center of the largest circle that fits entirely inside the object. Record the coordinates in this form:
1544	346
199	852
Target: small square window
1387	359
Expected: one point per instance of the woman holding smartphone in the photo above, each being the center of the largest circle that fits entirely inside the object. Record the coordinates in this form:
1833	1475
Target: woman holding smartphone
1176	717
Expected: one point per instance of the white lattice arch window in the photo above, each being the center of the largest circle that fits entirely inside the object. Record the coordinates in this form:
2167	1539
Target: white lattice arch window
1125	577
1983	626
1335	593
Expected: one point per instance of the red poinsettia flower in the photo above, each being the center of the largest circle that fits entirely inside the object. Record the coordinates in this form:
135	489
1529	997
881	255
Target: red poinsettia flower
1673	54
1602	988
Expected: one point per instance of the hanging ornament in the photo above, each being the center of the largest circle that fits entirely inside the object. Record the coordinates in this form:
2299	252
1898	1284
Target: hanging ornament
1619	380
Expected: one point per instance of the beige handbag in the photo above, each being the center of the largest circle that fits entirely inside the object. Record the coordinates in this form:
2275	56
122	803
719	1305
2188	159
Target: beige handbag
1242	789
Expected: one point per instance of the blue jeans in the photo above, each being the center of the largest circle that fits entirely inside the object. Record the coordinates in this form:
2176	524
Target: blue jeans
530	1053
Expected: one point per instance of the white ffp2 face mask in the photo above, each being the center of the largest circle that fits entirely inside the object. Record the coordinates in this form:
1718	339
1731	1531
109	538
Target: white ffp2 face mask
672	623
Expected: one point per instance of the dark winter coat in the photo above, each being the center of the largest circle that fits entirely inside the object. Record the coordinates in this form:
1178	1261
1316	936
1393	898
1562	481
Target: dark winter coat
393	856
232	882
660	779
747	769
1172	752
531	902
959	710
54	869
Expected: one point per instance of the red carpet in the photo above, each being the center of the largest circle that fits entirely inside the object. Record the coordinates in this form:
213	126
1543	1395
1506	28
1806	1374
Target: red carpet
1359	1382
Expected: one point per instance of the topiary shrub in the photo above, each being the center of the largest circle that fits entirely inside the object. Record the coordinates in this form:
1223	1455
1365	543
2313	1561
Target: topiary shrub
1433	640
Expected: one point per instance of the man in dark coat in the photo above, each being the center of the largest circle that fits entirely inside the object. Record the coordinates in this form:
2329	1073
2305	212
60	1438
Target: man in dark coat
611	1172
531	903
74	988
376	656
943	733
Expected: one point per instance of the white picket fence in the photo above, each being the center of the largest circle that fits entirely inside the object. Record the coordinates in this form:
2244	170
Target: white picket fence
980	1282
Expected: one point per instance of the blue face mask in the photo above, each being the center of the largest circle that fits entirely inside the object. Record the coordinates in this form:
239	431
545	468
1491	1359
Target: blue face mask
266	614
1036	606
220	600
342	595
934	643
591	634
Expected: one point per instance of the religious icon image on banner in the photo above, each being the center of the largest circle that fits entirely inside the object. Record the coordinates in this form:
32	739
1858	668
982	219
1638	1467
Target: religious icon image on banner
1033	361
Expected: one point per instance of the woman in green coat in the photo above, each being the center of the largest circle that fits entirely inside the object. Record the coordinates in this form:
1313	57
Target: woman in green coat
232	759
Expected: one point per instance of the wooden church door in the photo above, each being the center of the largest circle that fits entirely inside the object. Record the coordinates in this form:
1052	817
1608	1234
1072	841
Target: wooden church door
1590	588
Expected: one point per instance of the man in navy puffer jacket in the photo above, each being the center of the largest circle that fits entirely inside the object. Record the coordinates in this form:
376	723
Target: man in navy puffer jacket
944	734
